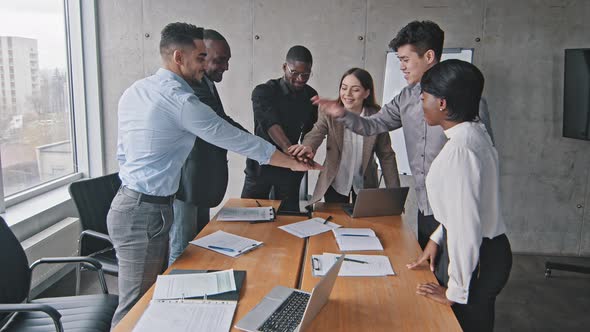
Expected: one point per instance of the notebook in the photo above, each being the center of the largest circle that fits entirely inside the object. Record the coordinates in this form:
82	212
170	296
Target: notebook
287	309
213	313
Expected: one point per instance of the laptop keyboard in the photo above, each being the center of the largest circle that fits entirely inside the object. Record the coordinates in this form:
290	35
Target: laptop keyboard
288	316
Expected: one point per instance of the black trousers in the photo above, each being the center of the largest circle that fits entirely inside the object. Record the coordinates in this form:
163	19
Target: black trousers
259	187
332	196
488	279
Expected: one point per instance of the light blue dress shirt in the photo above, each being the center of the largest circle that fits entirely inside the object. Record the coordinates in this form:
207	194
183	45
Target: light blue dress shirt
159	119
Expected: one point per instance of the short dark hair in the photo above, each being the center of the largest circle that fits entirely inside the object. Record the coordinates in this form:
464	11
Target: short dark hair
211	34
178	35
460	83
423	35
366	81
299	53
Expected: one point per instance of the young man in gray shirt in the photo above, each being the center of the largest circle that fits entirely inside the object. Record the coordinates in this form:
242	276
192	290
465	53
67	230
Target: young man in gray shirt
419	46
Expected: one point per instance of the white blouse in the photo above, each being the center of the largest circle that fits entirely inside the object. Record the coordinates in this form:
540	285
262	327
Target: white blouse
463	190
351	164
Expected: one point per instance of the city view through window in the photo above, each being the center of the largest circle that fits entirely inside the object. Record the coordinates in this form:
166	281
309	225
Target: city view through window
35	112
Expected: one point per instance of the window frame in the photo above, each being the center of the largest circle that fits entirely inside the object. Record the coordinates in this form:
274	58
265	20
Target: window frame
83	66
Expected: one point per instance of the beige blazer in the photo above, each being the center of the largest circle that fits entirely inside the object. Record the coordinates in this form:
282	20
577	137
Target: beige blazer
378	144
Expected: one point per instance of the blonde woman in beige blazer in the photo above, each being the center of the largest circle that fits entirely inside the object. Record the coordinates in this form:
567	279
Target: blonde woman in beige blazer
340	179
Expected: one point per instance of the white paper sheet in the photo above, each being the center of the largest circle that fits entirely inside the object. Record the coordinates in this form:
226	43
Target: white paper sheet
178	286
376	266
227	243
246	214
310	227
190	315
356	239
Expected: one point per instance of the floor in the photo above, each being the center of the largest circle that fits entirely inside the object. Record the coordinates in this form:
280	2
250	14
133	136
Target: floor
529	302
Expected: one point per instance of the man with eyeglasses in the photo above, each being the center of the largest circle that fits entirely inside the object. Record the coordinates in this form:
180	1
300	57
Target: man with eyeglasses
283	114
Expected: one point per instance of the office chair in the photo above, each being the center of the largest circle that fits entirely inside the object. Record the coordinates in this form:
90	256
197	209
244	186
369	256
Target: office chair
17	313
93	198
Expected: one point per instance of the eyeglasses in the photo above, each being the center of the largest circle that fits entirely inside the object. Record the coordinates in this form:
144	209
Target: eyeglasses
303	76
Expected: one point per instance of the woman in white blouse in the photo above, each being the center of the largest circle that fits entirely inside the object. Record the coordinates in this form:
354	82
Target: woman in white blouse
463	190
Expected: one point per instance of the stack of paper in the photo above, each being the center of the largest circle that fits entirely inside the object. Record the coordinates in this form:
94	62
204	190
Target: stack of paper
246	214
353	239
227	243
353	265
311	227
190	315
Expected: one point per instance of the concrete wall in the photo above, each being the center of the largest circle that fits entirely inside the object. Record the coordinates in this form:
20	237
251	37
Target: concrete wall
544	176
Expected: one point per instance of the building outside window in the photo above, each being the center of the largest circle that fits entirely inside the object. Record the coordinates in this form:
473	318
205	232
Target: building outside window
36	113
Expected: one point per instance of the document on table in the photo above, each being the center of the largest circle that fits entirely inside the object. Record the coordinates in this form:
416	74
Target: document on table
356	239
226	243
180	286
188	315
353	265
310	227
246	214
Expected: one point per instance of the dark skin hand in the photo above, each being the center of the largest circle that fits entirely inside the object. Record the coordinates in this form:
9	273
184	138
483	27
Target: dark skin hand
434	292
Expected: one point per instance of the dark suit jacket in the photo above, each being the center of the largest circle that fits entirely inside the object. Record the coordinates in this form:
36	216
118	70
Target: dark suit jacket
204	175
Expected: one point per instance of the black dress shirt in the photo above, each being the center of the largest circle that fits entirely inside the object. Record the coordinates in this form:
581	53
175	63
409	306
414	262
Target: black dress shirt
275	103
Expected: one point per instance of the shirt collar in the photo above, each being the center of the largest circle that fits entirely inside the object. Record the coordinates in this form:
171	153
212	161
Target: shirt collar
457	129
284	87
165	73
416	89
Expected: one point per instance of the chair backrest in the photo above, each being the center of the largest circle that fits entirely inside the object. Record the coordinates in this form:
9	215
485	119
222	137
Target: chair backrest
93	198
16	274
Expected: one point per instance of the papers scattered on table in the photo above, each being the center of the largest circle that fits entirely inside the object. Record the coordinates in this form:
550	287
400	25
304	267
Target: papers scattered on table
180	286
227	243
355	239
188	315
353	265
246	214
311	227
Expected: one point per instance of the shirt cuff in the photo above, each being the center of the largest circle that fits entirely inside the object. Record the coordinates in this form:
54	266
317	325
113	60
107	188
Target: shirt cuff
457	295
269	149
347	118
437	235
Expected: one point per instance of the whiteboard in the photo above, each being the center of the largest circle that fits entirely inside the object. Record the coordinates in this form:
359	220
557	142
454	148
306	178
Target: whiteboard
394	83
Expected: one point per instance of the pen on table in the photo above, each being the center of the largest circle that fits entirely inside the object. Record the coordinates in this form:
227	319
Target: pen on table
327	219
221	248
355	260
362	235
258	203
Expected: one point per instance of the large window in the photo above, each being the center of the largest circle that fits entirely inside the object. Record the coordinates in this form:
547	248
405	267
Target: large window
36	136
49	92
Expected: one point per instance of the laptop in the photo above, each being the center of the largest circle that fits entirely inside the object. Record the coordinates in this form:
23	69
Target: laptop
378	202
288	309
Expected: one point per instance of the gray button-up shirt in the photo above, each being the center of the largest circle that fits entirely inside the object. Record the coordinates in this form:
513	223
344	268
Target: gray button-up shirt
423	142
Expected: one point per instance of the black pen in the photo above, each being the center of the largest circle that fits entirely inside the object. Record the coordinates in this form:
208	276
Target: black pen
355	260
327	219
258	203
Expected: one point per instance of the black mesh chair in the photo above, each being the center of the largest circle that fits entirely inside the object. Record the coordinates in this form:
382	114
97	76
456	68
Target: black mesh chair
17	313
93	198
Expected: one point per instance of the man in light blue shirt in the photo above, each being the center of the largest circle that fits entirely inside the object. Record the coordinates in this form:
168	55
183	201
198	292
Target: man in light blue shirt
159	119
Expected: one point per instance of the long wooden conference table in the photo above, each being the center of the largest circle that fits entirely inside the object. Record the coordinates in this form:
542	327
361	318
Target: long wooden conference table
356	303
